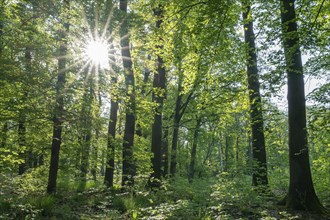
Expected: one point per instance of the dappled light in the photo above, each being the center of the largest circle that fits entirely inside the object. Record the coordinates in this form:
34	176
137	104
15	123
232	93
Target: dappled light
164	109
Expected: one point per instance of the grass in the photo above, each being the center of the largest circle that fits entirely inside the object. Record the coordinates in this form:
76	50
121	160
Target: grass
222	197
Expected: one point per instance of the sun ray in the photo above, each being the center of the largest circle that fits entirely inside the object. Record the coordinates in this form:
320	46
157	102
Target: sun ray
106	26
97	51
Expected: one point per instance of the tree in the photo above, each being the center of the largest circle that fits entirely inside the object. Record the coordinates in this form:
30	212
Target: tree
259	172
176	120
128	159
193	150
59	106
301	195
158	95
108	178
86	128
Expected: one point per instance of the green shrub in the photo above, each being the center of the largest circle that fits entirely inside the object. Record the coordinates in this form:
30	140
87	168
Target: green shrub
44	203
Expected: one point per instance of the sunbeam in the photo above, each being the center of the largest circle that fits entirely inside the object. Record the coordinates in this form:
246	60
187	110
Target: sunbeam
97	51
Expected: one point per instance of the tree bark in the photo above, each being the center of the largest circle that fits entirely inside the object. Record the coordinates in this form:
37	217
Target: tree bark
259	173
165	152
143	92
86	123
158	95
22	142
226	153
108	178
4	134
210	145
301	195
193	151
25	151
237	151
95	146
129	168
176	123
220	154
59	107
1	27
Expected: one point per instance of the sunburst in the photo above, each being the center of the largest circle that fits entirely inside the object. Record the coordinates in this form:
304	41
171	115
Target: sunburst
97	53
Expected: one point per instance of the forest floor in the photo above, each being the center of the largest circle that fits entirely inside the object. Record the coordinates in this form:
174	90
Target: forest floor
221	197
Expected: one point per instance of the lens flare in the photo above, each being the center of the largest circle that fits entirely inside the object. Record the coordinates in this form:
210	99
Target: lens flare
97	51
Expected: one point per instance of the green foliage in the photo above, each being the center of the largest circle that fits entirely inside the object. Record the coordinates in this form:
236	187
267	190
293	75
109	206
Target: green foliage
226	196
202	46
44	203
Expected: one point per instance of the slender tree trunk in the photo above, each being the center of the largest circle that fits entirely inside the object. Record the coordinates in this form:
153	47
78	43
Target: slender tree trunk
301	195
259	174
28	68
226	154
98	128
4	134
220	154
2	7
59	107
158	98
193	151
108	178
41	159
165	152
85	159
22	142
145	79
210	146
5	126
25	151
87	123
237	145
143	92
250	156
176	123
129	168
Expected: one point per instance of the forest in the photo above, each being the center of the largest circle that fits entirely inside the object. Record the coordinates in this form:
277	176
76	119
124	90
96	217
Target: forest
164	109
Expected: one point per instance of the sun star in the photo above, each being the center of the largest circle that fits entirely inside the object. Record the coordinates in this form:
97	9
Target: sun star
97	51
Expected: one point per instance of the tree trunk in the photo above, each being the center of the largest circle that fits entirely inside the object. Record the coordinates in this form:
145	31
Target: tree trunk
4	131
59	106
250	156
259	173
22	142
193	151
220	154
237	144
2	7
143	92
176	123
226	154
98	129
25	151
85	159
87	123
165	152
301	195
28	68
210	146
158	95
108	178
129	168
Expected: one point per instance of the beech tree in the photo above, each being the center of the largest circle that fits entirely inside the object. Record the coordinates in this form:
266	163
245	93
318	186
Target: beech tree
133	92
58	118
301	195
129	168
259	171
158	95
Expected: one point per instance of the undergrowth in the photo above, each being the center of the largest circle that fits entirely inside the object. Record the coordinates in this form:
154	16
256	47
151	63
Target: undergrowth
226	196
